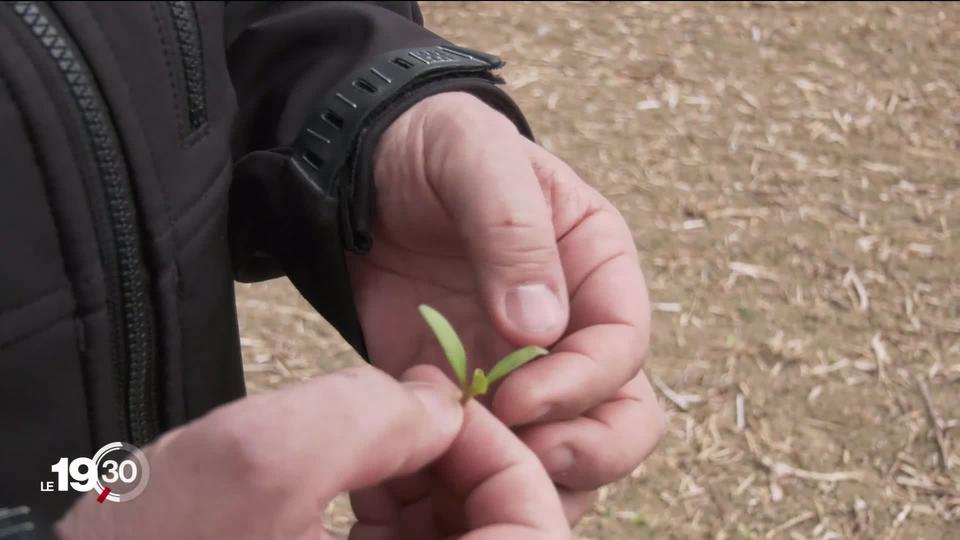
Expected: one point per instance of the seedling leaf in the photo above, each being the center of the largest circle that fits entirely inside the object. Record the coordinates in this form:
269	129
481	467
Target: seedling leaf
449	341
514	360
479	385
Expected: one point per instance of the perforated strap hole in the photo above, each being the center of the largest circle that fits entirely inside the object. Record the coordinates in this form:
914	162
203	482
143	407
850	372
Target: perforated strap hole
313	160
332	119
365	85
402	63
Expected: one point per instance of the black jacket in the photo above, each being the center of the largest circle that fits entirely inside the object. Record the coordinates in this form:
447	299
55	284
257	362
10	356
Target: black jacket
120	232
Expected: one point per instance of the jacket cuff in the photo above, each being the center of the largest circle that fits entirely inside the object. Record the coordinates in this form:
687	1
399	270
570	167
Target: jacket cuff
305	223
287	215
364	189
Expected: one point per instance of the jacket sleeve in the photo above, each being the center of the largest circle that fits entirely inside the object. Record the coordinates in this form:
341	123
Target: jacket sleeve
282	57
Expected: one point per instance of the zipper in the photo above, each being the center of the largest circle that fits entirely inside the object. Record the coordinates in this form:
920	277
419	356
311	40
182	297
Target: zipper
128	295
187	30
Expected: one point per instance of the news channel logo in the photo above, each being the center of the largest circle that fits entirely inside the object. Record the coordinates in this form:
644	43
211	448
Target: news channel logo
118	472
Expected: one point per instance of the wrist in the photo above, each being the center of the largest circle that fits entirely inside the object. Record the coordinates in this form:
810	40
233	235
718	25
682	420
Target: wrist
430	130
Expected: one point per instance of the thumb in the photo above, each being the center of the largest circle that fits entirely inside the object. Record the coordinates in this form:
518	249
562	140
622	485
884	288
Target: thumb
484	178
259	467
372	428
347	430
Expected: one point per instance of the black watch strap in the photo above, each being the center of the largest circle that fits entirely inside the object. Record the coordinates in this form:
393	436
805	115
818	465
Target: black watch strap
304	204
328	139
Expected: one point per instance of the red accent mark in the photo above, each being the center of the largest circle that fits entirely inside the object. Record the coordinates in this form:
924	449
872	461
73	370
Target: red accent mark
103	495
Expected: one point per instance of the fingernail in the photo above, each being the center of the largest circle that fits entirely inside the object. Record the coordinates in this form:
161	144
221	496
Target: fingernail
533	307
442	403
558	460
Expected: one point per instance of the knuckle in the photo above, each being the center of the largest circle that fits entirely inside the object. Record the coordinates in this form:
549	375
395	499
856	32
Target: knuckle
626	450
510	220
658	424
620	461
570	198
633	350
604	465
550	176
406	418
398	410
641	334
565	190
520	257
512	239
642	341
465	116
245	453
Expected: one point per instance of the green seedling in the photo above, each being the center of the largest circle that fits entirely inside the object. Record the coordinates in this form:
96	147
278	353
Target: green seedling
457	356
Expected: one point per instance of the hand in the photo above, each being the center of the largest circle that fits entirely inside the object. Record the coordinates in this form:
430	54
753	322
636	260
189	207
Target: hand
515	249
265	467
487	482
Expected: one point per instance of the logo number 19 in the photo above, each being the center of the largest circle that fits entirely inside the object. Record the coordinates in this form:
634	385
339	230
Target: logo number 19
83	472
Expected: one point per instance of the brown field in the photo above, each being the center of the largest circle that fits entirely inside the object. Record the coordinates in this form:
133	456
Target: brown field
790	172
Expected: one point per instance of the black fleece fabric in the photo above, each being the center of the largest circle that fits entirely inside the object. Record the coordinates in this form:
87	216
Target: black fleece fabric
120	127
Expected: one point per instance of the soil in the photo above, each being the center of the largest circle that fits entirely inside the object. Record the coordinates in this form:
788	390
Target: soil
790	173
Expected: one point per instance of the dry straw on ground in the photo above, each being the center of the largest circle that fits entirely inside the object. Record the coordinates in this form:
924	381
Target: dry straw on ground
791	173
